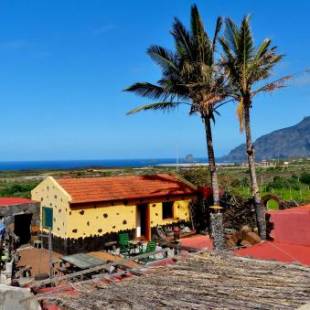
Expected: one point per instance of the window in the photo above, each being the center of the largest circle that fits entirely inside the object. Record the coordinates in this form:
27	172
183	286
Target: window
167	209
47	217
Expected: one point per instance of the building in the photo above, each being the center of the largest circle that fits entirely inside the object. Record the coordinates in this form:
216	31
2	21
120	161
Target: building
18	215
85	213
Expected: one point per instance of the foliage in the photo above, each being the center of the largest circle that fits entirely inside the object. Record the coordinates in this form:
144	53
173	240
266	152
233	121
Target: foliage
197	176
17	189
281	182
246	65
305	178
190	74
272	204
235	183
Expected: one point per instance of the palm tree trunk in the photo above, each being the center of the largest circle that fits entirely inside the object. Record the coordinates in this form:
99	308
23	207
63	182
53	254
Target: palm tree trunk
216	216
259	207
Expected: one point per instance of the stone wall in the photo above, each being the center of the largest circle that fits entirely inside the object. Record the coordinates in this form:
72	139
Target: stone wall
87	244
8	212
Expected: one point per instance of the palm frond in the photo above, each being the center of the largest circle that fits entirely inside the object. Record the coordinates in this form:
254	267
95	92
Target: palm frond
201	41
245	64
229	63
272	86
197	26
189	73
246	44
218	27
146	89
182	38
163	57
232	35
165	106
262	49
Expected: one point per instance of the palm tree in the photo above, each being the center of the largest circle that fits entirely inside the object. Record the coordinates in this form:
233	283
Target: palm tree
246	66
191	76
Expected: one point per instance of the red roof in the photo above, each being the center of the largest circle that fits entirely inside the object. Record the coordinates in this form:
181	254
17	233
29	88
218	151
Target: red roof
291	237
305	209
291	225
12	201
124	187
282	252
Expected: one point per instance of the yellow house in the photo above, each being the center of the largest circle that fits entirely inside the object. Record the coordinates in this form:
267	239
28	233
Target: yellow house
85	213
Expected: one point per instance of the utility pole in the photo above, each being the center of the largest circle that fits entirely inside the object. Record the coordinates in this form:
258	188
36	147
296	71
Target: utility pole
177	167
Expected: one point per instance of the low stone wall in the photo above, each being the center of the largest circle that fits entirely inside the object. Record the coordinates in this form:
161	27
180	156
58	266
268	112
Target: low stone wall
8	212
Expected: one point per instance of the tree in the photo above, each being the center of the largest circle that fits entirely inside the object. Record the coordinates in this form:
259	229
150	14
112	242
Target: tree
246	66
191	76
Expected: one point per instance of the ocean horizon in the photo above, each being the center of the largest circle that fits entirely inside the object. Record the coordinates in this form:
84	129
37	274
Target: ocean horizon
84	164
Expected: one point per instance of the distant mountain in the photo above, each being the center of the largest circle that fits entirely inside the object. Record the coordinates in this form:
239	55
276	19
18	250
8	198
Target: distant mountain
290	142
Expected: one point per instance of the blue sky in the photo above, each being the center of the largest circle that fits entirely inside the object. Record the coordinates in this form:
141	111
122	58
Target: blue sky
64	65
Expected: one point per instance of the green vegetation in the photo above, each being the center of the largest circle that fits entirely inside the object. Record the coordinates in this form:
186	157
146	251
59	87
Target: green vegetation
305	178
272	205
17	189
285	183
288	183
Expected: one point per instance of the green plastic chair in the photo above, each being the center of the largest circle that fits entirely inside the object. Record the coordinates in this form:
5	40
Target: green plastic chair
124	244
150	247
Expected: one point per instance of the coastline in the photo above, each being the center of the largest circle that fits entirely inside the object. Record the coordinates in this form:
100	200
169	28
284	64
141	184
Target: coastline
95	164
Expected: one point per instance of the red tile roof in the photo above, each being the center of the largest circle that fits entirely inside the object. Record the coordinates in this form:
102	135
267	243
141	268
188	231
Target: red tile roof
12	201
282	252
291	238
124	187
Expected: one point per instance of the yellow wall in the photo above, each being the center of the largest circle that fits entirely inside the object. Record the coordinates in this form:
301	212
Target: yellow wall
181	212
96	219
51	195
87	221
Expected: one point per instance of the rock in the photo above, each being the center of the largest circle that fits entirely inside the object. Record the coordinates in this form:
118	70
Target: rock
252	237
17	298
245	243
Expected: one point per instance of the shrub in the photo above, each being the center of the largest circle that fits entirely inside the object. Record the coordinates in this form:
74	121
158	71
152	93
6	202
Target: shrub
281	182
235	183
305	178
18	189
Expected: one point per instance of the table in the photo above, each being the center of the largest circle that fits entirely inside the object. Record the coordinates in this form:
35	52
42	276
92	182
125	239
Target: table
83	261
136	245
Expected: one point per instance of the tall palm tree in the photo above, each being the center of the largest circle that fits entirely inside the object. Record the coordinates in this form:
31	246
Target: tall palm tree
191	76
246	67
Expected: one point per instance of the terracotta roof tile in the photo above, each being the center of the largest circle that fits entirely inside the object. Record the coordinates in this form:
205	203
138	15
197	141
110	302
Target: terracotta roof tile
124	187
12	201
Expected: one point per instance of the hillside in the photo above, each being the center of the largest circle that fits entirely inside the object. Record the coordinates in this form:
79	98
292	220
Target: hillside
290	142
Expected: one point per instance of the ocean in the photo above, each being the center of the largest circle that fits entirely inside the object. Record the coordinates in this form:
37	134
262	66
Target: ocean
82	164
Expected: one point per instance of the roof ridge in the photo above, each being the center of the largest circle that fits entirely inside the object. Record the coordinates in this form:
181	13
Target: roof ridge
115	176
